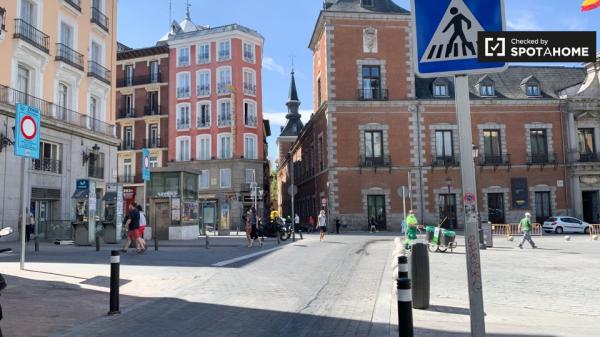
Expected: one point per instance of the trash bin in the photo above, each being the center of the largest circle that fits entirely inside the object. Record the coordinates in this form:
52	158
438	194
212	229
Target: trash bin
80	230
448	238
430	230
488	237
419	274
110	232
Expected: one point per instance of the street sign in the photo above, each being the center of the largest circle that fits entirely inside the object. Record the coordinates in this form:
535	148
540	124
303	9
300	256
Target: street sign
469	198
145	164
27	135
445	35
292	190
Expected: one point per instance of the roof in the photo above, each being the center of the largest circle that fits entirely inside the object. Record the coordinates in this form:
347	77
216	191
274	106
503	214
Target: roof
267	127
507	84
293	94
142	52
379	6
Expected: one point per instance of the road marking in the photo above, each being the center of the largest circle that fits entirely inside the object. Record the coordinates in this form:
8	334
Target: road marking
245	257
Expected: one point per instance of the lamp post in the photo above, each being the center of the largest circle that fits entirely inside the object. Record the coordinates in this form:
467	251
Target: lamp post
449	185
481	238
292	192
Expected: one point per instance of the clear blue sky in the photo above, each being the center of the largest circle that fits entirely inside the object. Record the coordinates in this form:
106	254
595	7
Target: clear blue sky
287	26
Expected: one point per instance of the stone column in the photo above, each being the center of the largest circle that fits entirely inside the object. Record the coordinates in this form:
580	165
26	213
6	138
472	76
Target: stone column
577	201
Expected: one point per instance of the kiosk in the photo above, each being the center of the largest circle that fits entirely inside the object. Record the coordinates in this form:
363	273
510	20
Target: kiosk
85	200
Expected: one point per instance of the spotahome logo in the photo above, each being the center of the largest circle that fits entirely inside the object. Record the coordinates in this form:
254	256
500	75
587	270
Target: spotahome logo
536	46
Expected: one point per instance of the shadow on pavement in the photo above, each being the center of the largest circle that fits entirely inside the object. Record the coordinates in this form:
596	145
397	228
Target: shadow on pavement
441	333
449	310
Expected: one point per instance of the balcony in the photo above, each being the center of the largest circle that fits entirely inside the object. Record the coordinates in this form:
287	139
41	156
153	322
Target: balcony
183	92
47	165
183	124
96	172
250	89
152	143
75	4
152	110
99	72
542	159
69	56
375	162
445	161
202	60
589	157
183	61
127	113
52	111
251	121
99	18
126	179
224	56
127	145
248	57
30	34
140	80
223	88
224	121
203	90
372	94
495	160
200	123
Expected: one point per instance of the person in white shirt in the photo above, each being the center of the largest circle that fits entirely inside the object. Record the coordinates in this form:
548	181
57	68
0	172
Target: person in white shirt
143	224
322	223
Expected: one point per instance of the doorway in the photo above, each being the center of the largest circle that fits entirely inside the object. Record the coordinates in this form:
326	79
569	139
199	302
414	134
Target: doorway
591	209
448	211
376	210
543	208
496	208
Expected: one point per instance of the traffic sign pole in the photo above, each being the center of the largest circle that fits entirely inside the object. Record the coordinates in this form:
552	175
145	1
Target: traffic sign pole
24	211
467	171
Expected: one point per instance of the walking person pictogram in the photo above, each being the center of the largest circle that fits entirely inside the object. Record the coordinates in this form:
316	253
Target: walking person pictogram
457	23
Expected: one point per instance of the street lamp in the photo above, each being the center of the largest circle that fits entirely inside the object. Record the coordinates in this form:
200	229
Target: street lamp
87	156
475	151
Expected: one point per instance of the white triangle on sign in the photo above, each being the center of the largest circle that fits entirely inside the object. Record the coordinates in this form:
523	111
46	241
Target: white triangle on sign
459	25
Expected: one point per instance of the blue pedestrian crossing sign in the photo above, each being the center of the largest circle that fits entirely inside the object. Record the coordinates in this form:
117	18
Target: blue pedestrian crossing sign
27	131
445	35
145	164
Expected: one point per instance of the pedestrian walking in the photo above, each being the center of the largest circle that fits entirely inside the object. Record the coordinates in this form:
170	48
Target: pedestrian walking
525	225
411	228
133	223
297	222
143	224
373	225
337	225
311	222
322	222
252	227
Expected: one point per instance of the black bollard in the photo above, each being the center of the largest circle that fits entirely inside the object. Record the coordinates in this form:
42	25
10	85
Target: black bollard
155	241
115	262
402	267
37	245
206	241
405	318
97	243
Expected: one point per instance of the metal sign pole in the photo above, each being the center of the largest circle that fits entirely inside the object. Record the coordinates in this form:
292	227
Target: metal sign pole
25	213
467	170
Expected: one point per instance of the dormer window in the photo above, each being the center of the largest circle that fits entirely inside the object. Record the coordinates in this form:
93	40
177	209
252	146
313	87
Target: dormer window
531	86
486	90
440	88
533	90
367	3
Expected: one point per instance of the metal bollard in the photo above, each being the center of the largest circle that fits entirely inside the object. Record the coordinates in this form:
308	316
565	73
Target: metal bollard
115	262
97	243
405	318
402	267
155	243
37	244
206	243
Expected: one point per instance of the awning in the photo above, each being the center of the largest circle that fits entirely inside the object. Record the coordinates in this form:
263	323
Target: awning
83	194
110	196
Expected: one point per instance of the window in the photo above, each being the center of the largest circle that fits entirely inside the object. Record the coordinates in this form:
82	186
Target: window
496	208
66	34
225	175
539	146
154	72
204	180
249	82
250	118
127	106
443	145
543	208
223	80
203	56
29	12
367	3
183	57
249	176
373	146
127	138
224	113
224	146
96	166
203	147
586	141
447	210
153	138
486	90
224	51
152	103
129	75
153	161
203	115
183	85
93	108
63	100
183	117
440	90
96	52
533	90
183	148
127	170
492	146
250	151
371	82
203	83
23	81
49	158
248	52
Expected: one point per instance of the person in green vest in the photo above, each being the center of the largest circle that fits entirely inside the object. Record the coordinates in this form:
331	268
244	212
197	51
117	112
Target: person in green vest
411	227
526	228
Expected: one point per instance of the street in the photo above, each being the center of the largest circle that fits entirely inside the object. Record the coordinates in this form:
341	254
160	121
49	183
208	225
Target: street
341	287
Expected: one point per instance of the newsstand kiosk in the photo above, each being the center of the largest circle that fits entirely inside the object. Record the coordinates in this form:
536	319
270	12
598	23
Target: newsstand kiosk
113	213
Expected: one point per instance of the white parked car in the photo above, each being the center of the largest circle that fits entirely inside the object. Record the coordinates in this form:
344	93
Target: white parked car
565	224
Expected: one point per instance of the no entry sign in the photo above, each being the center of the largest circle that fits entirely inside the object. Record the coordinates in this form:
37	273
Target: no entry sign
27	135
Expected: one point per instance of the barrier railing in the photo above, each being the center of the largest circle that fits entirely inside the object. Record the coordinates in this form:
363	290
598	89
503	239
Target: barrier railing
508	230
594	231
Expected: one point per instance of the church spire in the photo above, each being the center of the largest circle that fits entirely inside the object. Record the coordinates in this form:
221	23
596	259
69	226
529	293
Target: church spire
294	123
187	10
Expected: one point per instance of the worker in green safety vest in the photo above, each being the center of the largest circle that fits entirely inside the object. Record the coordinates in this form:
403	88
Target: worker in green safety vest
412	224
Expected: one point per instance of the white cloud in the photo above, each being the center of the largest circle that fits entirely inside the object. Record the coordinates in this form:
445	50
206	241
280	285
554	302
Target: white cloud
270	64
278	119
524	22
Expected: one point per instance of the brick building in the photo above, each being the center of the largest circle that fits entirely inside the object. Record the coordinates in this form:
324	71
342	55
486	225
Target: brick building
377	127
142	114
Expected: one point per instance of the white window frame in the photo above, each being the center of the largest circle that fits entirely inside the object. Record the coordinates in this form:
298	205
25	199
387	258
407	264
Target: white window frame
248	90
252	49
179	55
204	173
178	78
219	58
207	92
219	112
440	94
178	150
198	114
154	162
208	155
536	92
178	116
249	176
223	88
484	93
203	61
254	154
221	172
220	136
253	103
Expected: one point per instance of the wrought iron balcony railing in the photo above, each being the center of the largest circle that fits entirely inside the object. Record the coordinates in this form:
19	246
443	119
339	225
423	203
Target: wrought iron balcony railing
99	18
65	54
589	157
127	113
251	121
127	179
27	32
152	143
445	161
249	88
224	121
223	88
183	124
372	94
75	4
47	165
139	80
183	92
127	144
541	158
374	162
203	90
202	123
494	160
97	71
153	110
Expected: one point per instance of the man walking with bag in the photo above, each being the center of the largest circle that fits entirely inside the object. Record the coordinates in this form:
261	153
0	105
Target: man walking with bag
525	225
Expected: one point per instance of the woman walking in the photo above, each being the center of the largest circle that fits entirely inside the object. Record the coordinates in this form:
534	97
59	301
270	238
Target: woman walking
322	222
